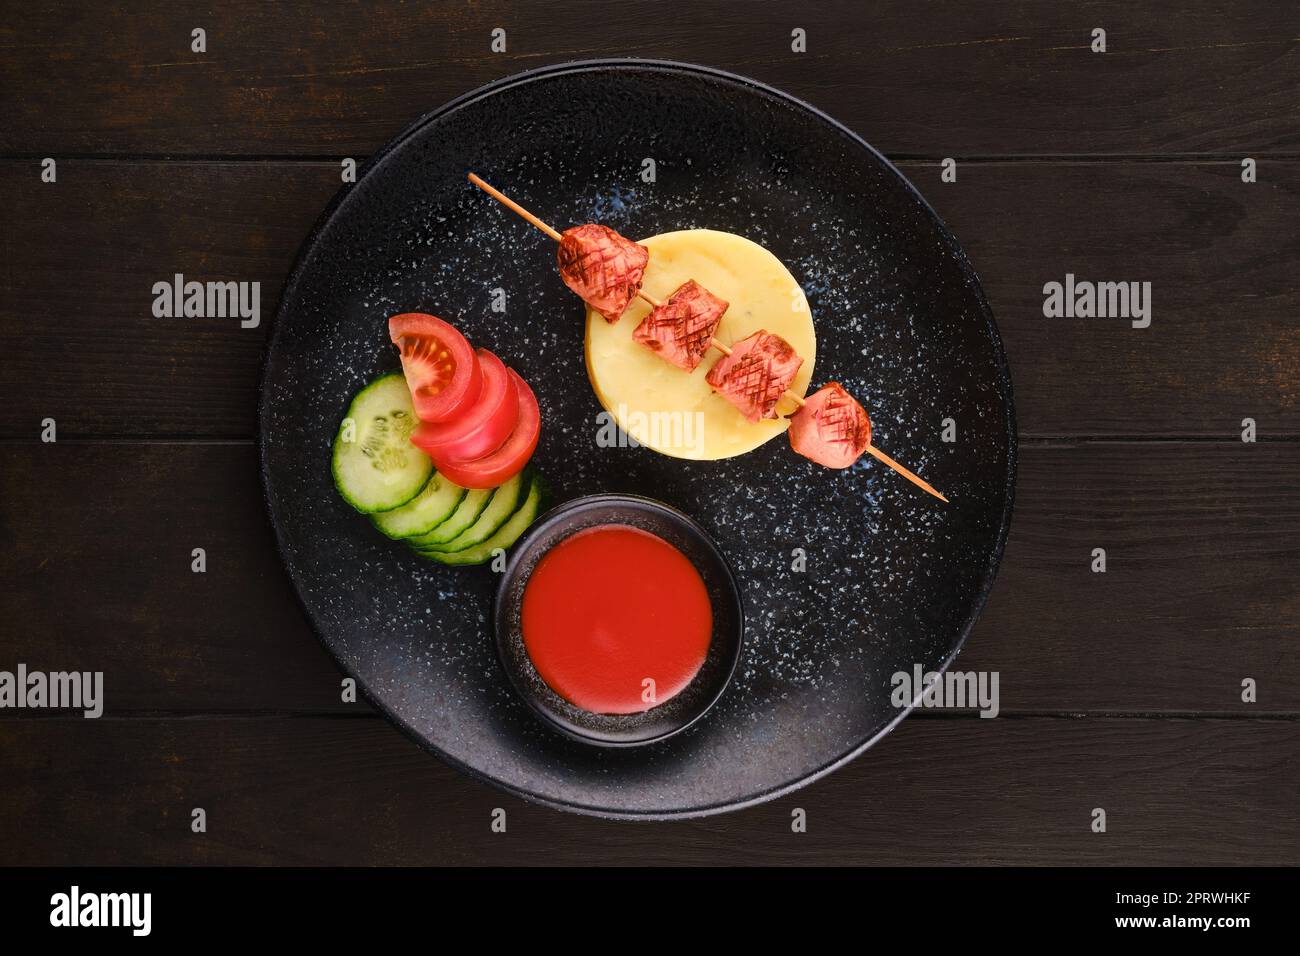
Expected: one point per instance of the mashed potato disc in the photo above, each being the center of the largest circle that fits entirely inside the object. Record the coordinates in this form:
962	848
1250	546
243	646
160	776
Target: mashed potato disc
676	412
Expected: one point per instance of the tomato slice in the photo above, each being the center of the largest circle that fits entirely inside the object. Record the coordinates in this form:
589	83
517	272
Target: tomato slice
508	460
483	426
441	370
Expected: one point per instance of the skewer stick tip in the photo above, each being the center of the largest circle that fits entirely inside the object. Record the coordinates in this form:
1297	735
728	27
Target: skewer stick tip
513	206
884	459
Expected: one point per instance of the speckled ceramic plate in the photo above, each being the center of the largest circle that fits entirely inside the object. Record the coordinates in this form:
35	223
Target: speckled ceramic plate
846	576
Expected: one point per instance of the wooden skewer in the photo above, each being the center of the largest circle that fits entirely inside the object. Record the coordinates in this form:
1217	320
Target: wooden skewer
513	206
884	459
523	213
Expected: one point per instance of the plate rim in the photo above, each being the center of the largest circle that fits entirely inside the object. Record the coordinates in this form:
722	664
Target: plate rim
970	276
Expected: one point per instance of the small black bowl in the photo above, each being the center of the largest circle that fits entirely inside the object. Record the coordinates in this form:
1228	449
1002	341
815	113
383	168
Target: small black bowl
673	715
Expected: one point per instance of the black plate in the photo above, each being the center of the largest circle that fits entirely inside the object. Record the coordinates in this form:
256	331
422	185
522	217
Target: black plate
678	712
891	578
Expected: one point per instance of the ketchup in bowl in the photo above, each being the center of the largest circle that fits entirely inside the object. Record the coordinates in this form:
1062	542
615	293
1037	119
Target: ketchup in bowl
616	620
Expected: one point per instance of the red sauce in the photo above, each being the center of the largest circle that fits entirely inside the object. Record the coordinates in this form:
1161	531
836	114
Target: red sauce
611	608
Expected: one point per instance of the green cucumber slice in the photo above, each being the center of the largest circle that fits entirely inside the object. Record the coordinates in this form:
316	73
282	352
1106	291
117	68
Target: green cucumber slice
504	503
430	508
375	466
466	513
504	537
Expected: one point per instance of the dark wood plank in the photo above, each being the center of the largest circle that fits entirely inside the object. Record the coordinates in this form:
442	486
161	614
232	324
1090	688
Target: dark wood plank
97	543
82	346
1202	540
327	791
1223	343
81	343
338	77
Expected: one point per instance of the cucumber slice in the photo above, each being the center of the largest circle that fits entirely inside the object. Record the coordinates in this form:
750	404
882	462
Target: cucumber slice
375	466
466	513
430	508
504	503
504	537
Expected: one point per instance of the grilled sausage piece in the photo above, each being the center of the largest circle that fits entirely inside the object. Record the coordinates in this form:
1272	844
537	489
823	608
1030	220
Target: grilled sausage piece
755	374
602	267
831	428
680	329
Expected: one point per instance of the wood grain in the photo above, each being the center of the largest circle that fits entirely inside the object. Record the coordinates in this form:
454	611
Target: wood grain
81	343
1201	538
82	346
1199	592
97	543
334	77
325	791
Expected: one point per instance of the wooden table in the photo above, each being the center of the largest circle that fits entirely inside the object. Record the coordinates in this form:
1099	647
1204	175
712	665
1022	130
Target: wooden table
1120	690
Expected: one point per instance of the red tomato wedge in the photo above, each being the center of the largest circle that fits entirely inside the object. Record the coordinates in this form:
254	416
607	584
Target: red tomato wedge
508	460
441	370
482	427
